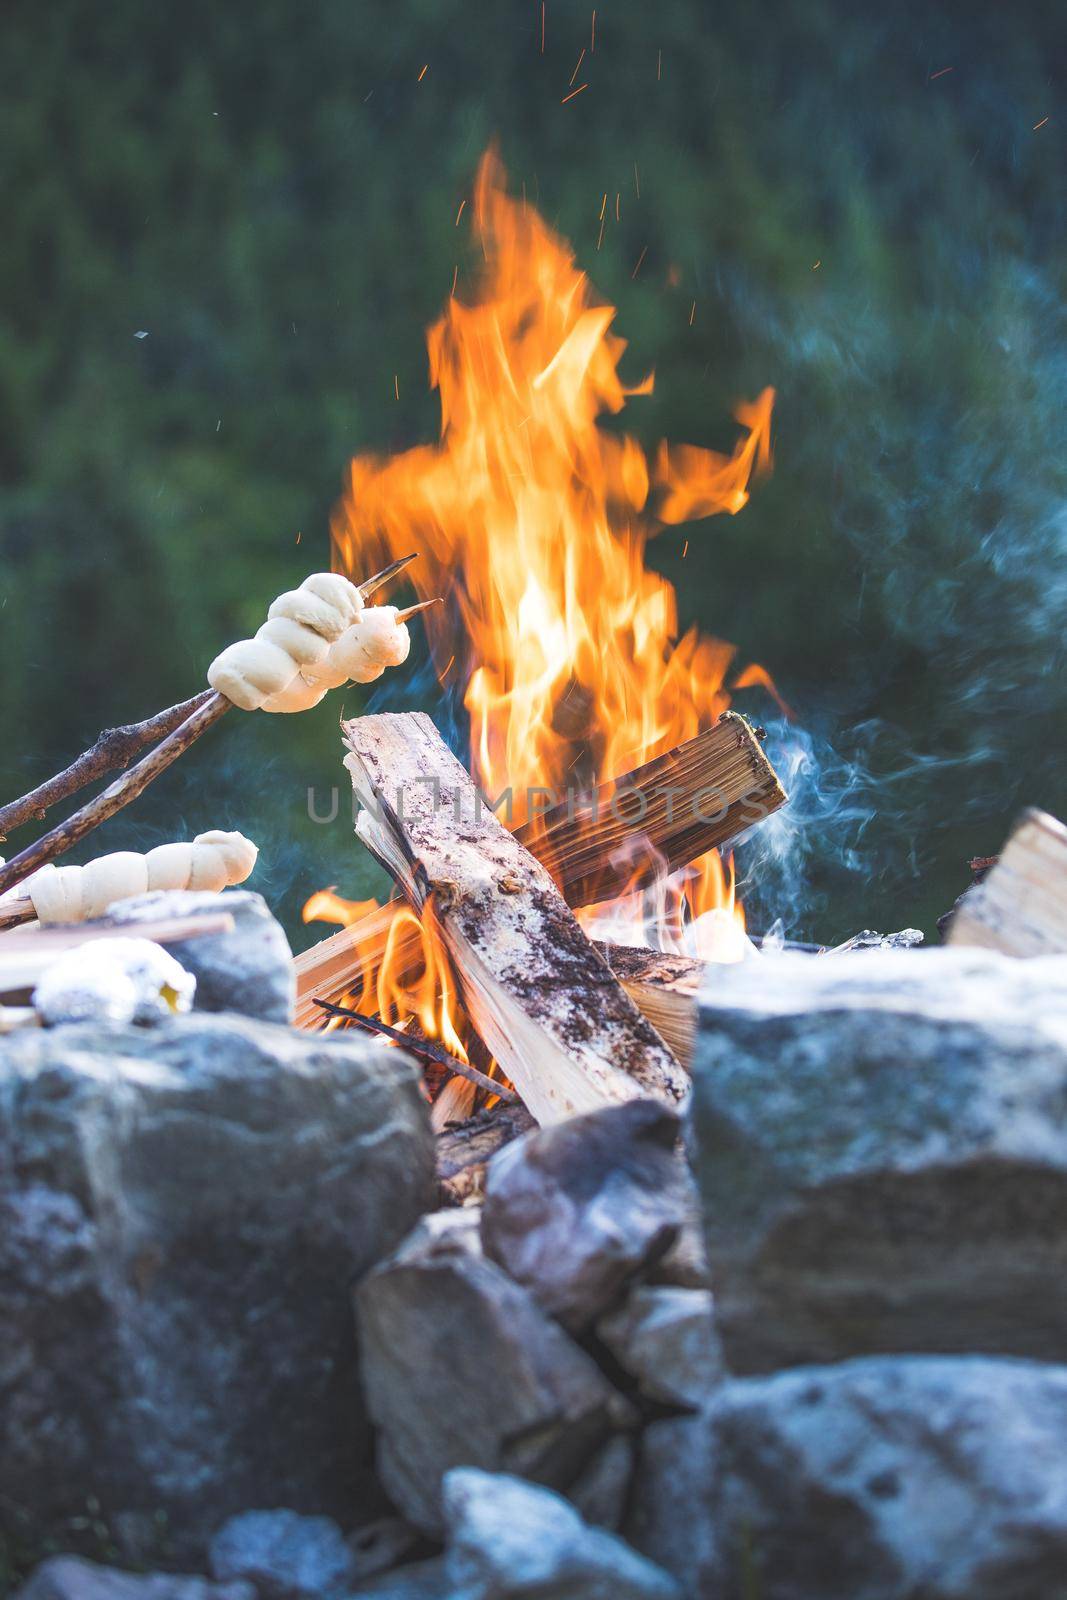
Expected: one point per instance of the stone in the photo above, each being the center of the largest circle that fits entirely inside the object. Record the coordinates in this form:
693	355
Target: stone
71	1578
601	1491
249	970
509	1538
423	1580
378	1546
284	1556
461	1367
665	1338
881	1148
182	1211
939	1476
578	1210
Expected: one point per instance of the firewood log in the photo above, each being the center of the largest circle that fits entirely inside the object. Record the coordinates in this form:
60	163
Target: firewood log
1020	906
695	798
544	1002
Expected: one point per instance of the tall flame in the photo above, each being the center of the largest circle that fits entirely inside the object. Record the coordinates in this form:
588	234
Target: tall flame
533	520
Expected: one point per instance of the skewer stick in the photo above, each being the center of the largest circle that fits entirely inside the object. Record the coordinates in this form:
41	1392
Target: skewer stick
115	796
115	748
426	1048
183	725
424	605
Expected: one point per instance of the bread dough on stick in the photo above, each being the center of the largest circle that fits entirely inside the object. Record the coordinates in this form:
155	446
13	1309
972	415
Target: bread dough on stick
213	861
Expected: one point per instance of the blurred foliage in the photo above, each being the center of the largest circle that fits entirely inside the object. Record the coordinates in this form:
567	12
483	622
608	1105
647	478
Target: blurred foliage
855	201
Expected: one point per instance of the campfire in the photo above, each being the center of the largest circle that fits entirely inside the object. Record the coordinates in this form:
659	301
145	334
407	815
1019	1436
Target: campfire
601	739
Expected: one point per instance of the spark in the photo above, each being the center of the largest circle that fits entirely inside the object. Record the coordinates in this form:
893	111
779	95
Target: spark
600	241
455	279
592	35
640	258
542	27
459	213
299	537
396	384
617	218
692	313
603	205
816	264
659	65
1040	124
940	74
637	181
577	64
685	549
424	71
444	674
573	92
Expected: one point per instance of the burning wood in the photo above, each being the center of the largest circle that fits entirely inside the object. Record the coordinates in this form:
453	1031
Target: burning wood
693	798
661	816
1020	905
541	998
663	988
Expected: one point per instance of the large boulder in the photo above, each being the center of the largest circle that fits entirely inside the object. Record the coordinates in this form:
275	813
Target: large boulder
881	1149
932	1476
182	1211
461	1367
248	970
70	1578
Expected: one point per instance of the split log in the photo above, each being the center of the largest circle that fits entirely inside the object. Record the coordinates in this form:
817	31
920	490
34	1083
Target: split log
697	797
576	843
544	1002
1020	906
663	988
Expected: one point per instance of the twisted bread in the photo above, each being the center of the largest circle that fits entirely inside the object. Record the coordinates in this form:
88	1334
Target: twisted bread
213	861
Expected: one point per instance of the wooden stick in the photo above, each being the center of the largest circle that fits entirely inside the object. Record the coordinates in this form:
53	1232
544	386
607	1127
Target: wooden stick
541	998
427	1049
114	748
697	797
115	796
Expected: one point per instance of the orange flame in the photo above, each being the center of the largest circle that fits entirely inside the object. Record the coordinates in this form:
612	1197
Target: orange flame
534	520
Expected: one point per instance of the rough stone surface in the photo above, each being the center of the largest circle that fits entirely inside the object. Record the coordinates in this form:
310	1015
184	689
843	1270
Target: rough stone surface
509	1538
932	1476
461	1367
423	1580
576	1211
182	1211
666	1339
602	1490
70	1578
881	1146
249	970
379	1546
284	1556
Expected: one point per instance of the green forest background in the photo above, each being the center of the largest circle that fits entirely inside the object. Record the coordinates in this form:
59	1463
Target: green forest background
867	206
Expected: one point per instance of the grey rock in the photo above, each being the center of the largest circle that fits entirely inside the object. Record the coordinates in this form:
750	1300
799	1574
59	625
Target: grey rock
666	1339
881	1147
939	1476
577	1210
182	1211
379	1546
508	1539
249	970
601	1492
285	1556
423	1580
70	1578
461	1367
